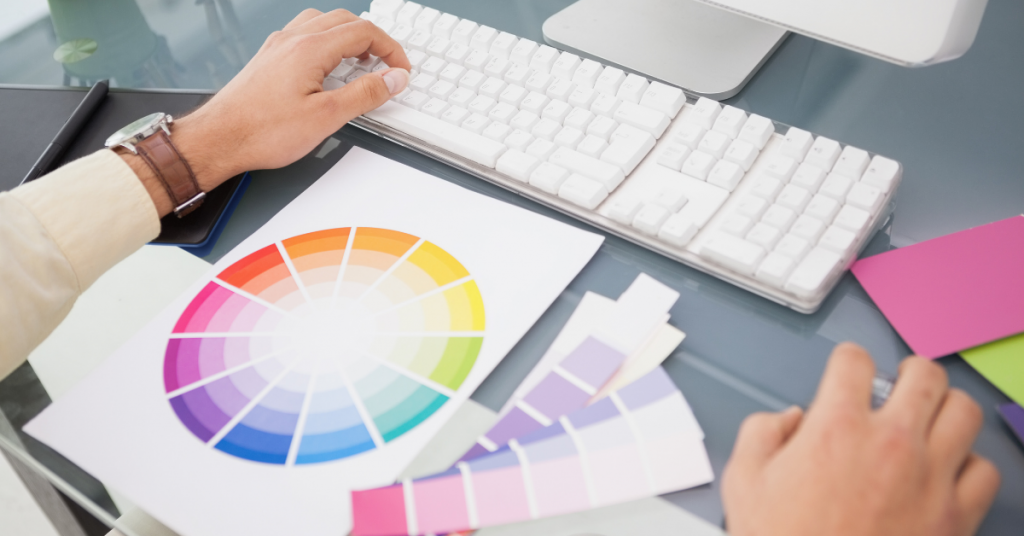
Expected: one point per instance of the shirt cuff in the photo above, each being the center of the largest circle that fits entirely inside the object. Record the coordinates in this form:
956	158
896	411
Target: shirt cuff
97	211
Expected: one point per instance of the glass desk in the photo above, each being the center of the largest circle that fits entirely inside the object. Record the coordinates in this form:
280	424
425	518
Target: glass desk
954	126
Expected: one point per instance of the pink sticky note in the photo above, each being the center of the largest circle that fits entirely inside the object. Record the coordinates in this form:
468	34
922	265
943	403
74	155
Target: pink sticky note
954	292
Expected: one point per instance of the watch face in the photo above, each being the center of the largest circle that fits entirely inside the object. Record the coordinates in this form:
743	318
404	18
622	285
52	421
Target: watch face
137	127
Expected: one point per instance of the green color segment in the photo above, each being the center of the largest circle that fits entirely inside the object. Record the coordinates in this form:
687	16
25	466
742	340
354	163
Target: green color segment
1002	363
459	357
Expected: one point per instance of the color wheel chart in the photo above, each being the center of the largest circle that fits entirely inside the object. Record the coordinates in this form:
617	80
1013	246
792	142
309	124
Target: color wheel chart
324	345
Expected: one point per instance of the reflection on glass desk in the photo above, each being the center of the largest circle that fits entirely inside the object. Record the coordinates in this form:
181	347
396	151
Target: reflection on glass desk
954	126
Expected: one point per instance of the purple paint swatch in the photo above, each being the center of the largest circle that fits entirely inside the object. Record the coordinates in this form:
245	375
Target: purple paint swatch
554	396
593	362
655	385
1014	417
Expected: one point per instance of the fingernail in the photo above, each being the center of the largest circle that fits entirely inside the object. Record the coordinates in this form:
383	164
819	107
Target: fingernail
396	80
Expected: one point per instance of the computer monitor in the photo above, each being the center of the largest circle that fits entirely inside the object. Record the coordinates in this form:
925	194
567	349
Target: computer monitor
713	47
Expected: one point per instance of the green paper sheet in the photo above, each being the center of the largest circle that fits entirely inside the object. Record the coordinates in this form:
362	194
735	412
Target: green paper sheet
1002	363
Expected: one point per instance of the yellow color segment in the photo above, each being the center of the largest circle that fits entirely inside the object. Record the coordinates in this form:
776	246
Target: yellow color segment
441	266
466	307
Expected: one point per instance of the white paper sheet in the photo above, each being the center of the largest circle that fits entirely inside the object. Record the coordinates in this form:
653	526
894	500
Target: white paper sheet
119	426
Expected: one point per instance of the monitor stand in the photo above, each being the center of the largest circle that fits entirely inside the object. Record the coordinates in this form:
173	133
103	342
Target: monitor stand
702	49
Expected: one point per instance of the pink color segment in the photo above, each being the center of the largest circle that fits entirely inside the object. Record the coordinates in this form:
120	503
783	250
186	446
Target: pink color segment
500	496
379	512
559	486
954	292
441	505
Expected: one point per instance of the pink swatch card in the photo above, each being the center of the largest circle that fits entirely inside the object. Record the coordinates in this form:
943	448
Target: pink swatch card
954	292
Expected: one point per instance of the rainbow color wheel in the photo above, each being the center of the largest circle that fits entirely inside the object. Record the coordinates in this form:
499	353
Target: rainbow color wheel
323	346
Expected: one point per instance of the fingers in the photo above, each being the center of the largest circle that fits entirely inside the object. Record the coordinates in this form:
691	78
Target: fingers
366	93
918	394
359	37
762	435
304	17
847	379
326	21
956	426
975	491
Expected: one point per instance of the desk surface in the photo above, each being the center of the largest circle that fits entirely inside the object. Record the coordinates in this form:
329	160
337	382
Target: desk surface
954	126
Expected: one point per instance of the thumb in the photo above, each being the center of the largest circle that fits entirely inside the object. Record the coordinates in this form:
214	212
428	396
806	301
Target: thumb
762	435
366	93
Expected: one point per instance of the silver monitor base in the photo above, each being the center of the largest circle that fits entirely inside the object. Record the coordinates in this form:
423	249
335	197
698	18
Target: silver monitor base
702	49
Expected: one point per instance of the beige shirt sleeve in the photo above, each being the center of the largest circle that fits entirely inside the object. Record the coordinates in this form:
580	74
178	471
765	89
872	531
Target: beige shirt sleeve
58	234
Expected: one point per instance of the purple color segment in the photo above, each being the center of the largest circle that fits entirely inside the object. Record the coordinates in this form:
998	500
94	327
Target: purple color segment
652	387
593	362
1014	416
542	434
602	410
475	452
454	471
227	395
554	396
211	357
496	460
515	423
207	417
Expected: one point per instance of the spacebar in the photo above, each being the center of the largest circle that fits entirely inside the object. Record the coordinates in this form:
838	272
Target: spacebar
447	136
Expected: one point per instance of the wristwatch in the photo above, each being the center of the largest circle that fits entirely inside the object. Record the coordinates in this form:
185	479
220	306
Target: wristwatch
150	138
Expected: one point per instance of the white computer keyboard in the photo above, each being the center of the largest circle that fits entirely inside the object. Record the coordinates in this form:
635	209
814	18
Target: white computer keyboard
770	208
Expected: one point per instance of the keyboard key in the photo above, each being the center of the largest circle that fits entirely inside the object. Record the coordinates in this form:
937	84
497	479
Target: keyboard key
419	40
423	82
434	107
704	112
808	228
565	66
492	87
517	75
823	208
560	89
632	88
549	177
640	117
502	112
439	133
865	196
602	127
579	118
610	80
852	162
386	8
523	52
482	105
779	217
774	269
464	31
582	191
426	19
689	134
605	105
665	99
627	150
477	59
742	153
342	71
793	246
367	64
539	82
445	25
587	73
673	199
334	83
650	218
796	144
852	219
809	276
461	97
438	46
767	187
453	73
415	100
518	165
534	103
726	175
408	13
519	139
541	148
441	90
482	39
781	167
544	59
808	177
476	123
752	206
757	131
592	146
455	115
513	95
714	143
882	173
497	131
503	45
794	197
556	110
730	122
582	97
764	235
569	138
604	173
673	156
678	230
733	252
472	80
836	186
737	224
524	120
624	209
824	153
837	239
401	33
497	67
698	165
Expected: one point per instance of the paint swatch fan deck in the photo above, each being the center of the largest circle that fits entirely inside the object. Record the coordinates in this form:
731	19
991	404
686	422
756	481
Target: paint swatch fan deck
319	356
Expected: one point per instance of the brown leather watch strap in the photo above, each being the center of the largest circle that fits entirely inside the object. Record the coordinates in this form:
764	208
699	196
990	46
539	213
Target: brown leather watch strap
173	172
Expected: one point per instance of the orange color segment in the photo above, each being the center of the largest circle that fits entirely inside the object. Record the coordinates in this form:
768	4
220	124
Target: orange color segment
383	240
317	242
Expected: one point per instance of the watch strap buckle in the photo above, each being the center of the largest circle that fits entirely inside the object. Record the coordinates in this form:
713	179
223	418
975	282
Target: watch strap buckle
187	207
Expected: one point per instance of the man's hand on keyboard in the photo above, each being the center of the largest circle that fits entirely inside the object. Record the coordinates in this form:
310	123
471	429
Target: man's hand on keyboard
276	110
844	470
